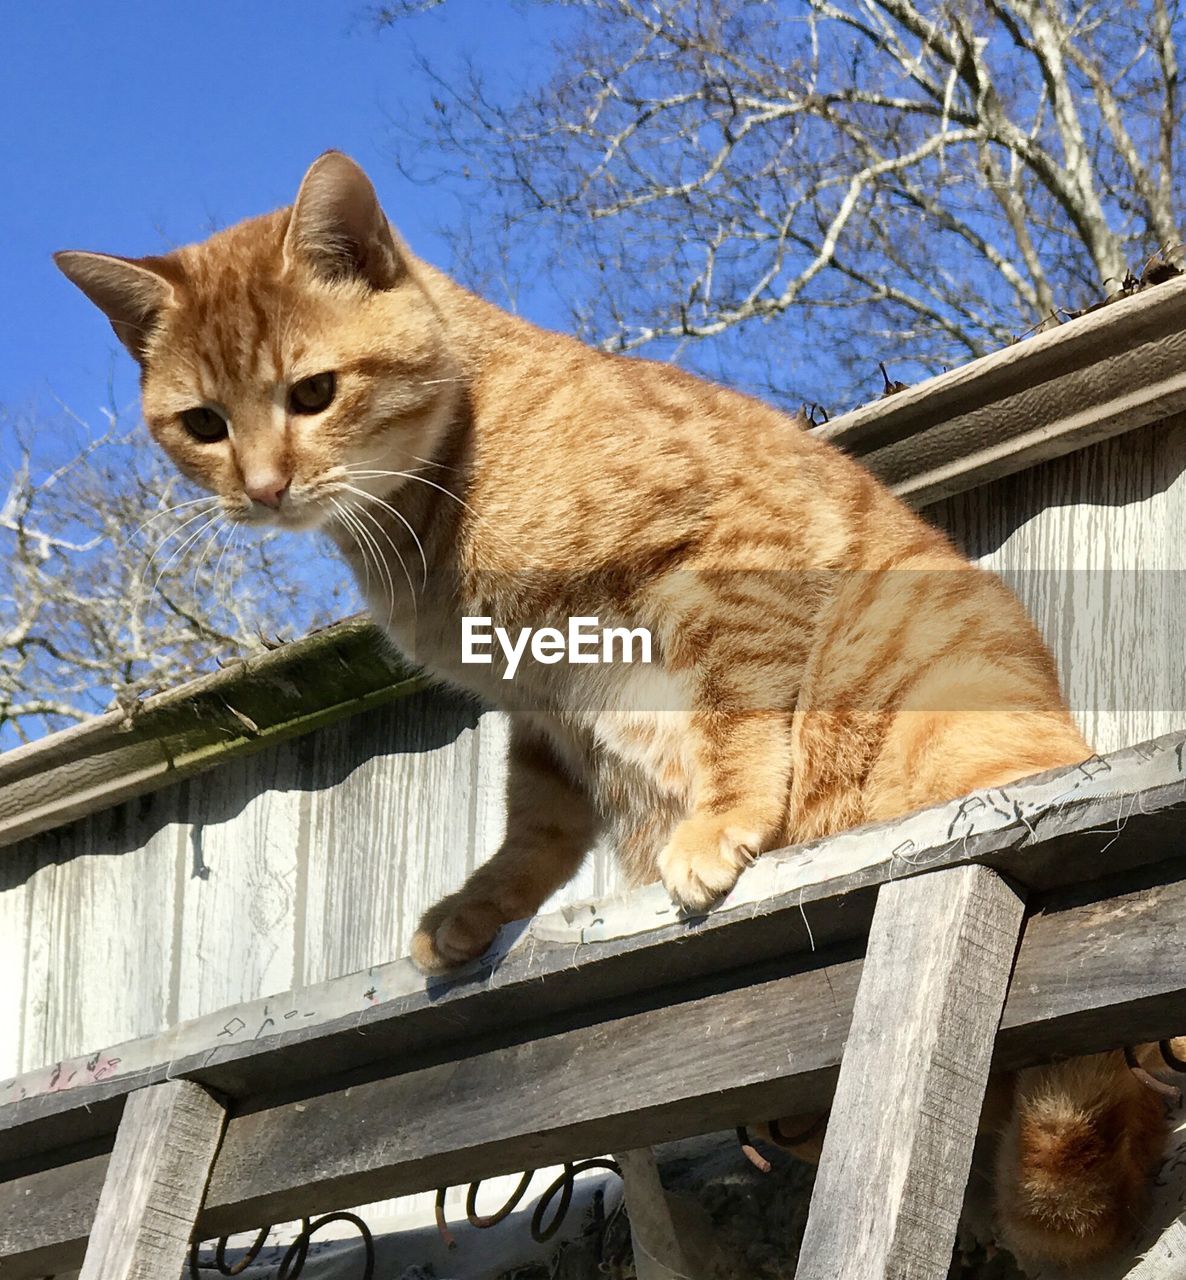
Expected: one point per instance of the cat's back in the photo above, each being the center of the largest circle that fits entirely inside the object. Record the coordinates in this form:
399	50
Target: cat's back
589	457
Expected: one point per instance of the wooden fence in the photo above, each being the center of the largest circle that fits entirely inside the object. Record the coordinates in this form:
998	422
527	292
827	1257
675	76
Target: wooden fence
274	827
571	1037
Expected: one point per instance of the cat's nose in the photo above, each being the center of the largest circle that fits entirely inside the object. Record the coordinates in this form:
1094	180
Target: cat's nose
268	488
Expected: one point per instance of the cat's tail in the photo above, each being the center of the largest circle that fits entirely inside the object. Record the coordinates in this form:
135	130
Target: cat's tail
1076	1158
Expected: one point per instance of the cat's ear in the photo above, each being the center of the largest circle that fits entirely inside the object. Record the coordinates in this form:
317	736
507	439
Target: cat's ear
338	227
130	294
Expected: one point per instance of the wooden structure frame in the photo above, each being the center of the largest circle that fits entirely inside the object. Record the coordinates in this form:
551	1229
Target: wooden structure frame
570	1038
1053	914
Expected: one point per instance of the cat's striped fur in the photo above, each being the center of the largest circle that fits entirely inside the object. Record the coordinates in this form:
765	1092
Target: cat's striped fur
823	656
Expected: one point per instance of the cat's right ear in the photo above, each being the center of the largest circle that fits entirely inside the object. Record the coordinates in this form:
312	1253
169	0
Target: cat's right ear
129	294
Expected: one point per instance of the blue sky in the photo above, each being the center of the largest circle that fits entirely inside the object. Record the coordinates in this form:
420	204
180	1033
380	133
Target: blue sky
133	125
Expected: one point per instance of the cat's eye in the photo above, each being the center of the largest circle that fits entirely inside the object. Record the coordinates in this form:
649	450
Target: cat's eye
206	425
311	395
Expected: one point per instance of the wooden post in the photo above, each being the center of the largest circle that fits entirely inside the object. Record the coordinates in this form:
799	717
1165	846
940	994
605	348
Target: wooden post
899	1143
155	1184
659	1252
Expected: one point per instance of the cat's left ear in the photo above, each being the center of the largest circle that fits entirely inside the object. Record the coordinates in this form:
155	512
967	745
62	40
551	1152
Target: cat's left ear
339	228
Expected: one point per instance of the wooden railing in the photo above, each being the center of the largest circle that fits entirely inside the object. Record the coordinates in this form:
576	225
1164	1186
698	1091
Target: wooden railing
851	973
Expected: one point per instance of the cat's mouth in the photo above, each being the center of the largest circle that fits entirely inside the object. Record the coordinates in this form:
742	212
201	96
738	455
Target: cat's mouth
294	513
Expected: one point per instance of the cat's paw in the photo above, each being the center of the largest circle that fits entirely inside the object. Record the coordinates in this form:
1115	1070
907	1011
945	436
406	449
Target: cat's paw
704	857
453	933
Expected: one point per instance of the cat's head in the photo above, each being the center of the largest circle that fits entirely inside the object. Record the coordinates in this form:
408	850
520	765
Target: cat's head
289	359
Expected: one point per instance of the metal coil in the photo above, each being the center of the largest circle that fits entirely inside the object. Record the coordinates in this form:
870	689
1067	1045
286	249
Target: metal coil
562	1186
1170	1092
293	1262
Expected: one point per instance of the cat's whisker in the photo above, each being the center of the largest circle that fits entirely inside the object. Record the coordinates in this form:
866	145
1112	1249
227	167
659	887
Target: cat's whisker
440	488
373	475
411	475
351	527
363	536
362	511
491	531
362	493
220	526
429	463
366	564
231	540
164	542
207	499
189	542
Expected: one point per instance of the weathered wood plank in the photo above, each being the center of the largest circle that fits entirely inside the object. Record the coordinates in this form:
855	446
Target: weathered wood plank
155	1183
1095	974
46	1217
1092	545
236	903
899	1144
771	1047
1068	826
337	672
393	834
89	978
405	799
14	947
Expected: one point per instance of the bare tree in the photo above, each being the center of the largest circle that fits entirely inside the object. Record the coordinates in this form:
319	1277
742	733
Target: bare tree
926	179
117	578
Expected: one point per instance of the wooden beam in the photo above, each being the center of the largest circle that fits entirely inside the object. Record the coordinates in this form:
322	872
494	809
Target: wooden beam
1102	974
898	1148
1116	369
155	1183
1071	825
335	672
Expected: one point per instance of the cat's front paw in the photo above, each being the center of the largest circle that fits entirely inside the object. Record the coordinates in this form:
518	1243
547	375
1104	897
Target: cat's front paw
704	857
453	933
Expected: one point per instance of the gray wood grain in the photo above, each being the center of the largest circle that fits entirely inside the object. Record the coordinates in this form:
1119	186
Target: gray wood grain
899	1143
1068	826
236	905
1092	545
397	831
155	1183
89	978
769	1046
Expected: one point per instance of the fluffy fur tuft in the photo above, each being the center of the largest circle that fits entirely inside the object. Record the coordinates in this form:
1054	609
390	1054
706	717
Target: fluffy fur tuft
1075	1160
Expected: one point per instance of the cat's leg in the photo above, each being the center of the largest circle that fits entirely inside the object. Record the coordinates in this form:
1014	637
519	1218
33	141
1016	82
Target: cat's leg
739	803
550	827
1076	1158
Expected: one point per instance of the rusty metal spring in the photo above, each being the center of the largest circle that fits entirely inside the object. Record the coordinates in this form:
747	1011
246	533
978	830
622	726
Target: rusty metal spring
563	1187
293	1262
786	1141
1170	1092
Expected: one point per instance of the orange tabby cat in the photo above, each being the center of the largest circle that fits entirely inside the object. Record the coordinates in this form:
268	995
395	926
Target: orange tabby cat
822	657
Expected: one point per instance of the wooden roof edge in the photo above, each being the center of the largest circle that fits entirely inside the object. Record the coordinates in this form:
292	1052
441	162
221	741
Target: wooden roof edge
1115	369
337	671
